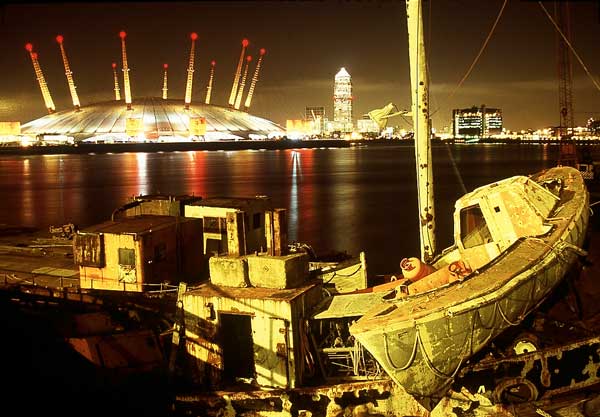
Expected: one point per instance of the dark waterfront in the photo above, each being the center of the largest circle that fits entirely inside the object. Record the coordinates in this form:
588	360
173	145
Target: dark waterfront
338	199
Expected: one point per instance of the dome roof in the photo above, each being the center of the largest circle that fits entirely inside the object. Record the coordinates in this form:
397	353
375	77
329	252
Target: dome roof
160	119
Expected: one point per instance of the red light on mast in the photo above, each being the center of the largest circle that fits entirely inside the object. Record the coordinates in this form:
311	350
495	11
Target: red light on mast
165	66
248	58
263	51
194	36
122	34
245	42
34	55
114	65
59	39
213	63
29	47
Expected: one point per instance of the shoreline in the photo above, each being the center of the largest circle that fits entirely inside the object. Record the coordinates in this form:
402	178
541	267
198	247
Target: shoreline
92	148
83	148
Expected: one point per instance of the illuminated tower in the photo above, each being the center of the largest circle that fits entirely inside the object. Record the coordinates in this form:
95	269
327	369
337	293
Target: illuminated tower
238	71
127	87
210	81
263	51
342	101
240	93
190	72
164	90
68	73
41	80
117	89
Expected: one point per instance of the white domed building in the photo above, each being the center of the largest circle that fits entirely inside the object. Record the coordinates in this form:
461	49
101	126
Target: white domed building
152	119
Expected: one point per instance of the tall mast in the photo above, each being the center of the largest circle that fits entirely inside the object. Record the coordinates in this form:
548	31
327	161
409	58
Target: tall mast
164	89
68	73
190	72
126	84
117	89
238	71
238	100
263	51
41	80
210	81
419	82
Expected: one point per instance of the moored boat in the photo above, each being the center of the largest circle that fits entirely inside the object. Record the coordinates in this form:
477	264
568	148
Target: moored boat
514	242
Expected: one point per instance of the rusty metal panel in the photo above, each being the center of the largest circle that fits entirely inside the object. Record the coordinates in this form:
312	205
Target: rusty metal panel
280	238
88	249
540	374
236	240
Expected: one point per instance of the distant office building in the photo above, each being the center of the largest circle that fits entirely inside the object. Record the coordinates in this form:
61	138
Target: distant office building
342	101
480	122
315	115
367	125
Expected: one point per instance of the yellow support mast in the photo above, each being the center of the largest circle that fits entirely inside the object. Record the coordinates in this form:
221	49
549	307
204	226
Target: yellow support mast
190	72
210	81
68	73
41	80
238	100
164	89
263	51
127	87
117	89
238	71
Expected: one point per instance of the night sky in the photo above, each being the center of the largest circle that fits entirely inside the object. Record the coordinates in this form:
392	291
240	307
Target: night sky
307	42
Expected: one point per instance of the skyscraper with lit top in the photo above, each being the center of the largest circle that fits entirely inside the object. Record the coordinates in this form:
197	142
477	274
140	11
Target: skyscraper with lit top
342	101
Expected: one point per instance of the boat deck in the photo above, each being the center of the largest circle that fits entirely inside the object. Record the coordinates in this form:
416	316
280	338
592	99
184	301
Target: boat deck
36	257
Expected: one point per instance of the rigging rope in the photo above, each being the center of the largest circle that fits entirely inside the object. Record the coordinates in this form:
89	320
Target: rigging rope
570	46
487	39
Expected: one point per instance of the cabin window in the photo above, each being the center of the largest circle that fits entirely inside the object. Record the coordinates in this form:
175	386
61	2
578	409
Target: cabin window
213	246
473	228
89	250
126	257
214	224
256	220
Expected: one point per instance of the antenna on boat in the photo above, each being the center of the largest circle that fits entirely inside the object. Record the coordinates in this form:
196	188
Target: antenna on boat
422	128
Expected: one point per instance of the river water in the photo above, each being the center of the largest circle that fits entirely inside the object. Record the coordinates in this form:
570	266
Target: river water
354	199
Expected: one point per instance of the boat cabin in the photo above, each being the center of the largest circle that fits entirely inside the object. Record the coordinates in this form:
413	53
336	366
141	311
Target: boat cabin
491	218
236	225
255	336
487	222
139	253
248	323
156	204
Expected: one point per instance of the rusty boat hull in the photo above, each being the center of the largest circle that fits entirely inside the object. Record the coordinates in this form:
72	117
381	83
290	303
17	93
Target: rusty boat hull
422	340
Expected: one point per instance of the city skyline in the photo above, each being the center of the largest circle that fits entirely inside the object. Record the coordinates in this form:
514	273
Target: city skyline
306	44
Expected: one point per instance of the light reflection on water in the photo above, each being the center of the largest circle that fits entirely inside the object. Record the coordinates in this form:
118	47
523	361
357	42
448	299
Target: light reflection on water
348	199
